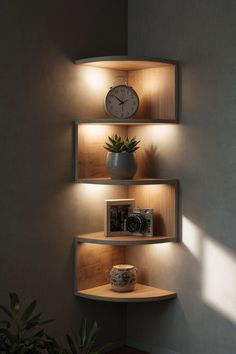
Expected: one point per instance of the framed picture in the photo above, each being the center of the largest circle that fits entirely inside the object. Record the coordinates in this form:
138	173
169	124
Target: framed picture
116	213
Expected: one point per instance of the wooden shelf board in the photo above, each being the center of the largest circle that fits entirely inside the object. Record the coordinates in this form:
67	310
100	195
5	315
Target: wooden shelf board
128	182
128	121
125	62
99	238
142	293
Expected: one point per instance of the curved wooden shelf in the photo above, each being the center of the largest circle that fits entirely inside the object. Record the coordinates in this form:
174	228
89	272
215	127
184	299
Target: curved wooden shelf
125	62
128	121
142	293
128	182
99	238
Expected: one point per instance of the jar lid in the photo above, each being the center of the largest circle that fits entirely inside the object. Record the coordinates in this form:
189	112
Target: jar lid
123	266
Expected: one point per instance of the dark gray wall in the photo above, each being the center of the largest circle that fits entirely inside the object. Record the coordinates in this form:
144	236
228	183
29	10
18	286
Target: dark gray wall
39	206
201	152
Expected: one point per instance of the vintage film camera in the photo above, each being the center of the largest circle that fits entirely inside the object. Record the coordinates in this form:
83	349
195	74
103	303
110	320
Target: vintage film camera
140	222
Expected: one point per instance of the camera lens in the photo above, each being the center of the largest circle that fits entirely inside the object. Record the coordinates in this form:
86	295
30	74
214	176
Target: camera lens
135	223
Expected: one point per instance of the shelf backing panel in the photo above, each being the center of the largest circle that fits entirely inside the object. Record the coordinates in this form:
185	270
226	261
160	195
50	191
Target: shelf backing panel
92	263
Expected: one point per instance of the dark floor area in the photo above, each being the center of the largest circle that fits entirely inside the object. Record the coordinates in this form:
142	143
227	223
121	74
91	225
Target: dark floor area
127	350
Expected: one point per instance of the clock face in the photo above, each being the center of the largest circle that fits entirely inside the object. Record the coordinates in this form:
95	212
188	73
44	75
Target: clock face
121	102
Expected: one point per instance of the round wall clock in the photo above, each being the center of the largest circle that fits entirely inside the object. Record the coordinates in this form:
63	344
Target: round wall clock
121	101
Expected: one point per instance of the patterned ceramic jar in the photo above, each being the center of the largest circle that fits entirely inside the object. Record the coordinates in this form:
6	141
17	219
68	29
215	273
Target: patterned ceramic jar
123	277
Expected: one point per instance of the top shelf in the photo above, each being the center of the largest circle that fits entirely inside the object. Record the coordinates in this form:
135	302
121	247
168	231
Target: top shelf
154	80
125	62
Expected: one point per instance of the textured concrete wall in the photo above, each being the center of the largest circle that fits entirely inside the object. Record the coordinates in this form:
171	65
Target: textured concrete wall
40	211
201	152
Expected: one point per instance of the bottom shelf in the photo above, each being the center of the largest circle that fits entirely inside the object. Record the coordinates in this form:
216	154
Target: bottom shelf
142	293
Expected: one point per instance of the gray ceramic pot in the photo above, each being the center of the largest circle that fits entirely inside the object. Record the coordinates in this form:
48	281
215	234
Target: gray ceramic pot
121	165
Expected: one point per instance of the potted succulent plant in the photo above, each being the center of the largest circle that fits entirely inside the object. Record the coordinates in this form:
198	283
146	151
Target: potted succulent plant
121	162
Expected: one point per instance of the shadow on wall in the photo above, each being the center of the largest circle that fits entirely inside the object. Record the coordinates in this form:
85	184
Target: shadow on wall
150	160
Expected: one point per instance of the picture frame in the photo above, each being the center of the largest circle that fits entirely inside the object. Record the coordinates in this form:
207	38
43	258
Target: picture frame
116	211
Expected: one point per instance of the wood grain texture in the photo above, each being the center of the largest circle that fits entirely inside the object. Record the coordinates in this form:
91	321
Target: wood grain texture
156	91
91	153
99	238
163	200
92	261
142	293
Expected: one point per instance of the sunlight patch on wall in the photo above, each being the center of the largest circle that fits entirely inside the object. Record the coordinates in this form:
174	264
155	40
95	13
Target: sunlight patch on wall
219	278
192	237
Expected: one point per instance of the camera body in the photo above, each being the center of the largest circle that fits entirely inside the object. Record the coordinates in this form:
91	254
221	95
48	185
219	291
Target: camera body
140	222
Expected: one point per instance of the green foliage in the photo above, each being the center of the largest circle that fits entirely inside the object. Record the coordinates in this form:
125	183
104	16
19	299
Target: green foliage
21	332
130	145
85	341
116	144
52	347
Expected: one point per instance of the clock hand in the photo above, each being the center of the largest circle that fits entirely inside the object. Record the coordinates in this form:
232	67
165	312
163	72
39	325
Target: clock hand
121	102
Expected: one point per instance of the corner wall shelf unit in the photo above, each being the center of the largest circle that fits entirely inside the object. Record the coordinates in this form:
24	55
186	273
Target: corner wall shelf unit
156	83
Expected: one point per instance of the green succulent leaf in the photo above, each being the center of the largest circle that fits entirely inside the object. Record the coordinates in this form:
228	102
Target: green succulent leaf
117	145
